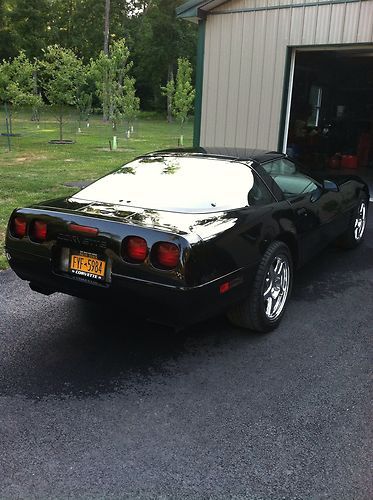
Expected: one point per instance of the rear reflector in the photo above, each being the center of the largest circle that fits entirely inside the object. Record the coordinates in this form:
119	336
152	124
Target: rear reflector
19	227
39	231
225	287
135	248
167	254
89	231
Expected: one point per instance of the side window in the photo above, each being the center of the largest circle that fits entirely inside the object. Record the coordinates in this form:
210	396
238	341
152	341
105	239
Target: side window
280	167
259	194
290	181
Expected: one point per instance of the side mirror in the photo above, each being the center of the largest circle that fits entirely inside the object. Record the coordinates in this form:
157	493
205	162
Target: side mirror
330	186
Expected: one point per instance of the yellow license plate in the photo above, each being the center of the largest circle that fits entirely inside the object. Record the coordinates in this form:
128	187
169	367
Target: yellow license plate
87	266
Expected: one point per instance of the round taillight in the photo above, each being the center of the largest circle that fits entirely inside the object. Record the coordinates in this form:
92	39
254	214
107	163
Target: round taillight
166	254
135	249
18	227
38	231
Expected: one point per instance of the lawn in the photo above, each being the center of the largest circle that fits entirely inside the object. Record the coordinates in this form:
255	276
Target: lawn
34	170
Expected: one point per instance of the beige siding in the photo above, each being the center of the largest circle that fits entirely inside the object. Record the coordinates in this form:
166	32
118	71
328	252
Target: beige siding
245	57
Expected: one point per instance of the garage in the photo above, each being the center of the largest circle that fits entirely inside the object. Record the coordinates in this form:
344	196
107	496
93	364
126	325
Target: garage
289	76
330	121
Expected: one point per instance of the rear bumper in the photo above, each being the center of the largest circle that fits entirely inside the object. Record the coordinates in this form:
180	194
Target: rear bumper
167	304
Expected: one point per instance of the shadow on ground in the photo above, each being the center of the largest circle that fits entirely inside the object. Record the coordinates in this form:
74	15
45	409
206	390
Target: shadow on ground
70	347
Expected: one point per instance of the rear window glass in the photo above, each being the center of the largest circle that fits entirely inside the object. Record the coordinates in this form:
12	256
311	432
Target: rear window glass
178	184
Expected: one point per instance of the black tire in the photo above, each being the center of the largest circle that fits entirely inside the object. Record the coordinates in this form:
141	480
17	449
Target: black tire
348	239
251	312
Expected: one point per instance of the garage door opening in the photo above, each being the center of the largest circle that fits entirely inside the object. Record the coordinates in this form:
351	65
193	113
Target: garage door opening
331	112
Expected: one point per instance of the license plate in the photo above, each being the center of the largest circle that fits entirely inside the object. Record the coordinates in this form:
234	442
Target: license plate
87	265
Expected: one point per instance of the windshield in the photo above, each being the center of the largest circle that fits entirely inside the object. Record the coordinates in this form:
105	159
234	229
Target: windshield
178	184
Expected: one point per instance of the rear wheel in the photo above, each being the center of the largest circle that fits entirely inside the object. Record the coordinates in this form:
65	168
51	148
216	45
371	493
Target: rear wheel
354	234
265	305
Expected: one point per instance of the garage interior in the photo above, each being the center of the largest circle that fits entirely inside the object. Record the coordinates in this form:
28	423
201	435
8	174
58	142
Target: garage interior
331	114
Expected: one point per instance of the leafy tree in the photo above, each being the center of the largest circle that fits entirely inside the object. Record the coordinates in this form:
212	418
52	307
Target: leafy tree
115	87
84	96
62	75
78	24
29	21
153	35
17	86
8	46
181	93
160	38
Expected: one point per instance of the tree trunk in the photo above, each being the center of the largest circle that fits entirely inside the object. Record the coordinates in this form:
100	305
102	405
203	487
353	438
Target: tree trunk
105	99
7	125
182	132
107	27
10	121
35	114
170	77
60	120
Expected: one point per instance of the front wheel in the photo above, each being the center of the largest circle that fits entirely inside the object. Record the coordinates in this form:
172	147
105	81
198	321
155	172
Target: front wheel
265	305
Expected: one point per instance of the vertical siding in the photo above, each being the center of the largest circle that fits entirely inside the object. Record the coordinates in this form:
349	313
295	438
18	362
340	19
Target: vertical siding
244	90
245	58
255	82
324	17
234	78
267	81
336	24
222	118
365	29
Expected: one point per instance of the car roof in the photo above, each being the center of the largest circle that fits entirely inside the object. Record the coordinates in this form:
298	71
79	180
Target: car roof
243	154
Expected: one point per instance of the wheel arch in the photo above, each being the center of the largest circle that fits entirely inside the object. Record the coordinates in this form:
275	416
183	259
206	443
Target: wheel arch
291	242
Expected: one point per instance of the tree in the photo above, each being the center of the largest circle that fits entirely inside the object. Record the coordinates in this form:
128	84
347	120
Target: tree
29	21
107	27
160	38
115	87
181	93
62	74
84	96
8	46
17	86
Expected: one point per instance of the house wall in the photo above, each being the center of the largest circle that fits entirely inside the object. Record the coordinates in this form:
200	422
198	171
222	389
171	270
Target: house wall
245	60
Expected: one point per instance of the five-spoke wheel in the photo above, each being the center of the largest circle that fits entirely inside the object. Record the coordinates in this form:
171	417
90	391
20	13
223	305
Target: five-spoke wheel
265	305
360	221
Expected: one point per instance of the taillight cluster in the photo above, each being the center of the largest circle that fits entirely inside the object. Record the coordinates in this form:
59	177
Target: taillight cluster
37	229
163	255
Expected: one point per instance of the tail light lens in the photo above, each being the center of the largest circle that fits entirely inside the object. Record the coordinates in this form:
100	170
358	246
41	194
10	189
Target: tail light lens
167	254
39	231
89	231
135	249
18	227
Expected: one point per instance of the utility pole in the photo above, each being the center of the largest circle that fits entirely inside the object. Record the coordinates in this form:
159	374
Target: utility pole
107	27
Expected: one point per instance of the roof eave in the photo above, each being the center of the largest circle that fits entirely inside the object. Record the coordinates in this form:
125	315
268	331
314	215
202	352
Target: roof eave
194	10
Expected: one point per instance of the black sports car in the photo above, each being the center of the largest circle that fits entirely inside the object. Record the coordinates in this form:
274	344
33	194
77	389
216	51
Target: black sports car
188	233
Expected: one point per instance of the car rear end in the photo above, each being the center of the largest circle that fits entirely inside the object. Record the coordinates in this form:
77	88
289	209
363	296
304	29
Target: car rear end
162	274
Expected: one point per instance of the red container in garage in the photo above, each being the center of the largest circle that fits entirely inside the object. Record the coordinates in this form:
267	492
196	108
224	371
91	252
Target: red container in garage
349	161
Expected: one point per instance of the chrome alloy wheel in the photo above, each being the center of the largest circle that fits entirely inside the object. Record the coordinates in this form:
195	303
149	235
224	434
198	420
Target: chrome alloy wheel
360	221
276	287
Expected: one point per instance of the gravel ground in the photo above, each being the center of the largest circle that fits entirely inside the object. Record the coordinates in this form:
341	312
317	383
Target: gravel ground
96	404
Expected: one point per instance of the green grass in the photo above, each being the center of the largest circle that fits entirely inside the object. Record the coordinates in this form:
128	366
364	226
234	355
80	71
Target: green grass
35	170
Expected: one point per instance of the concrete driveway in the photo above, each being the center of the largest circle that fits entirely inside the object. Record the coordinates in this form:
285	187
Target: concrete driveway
94	404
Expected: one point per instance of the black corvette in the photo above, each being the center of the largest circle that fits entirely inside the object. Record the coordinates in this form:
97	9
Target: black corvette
186	234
